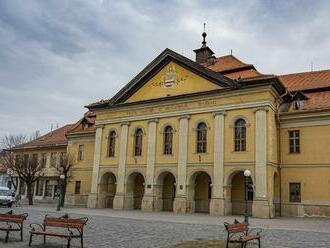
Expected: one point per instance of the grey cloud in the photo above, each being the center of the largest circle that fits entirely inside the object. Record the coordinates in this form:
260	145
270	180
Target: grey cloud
57	56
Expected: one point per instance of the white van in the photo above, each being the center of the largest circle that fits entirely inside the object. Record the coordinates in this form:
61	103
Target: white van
7	197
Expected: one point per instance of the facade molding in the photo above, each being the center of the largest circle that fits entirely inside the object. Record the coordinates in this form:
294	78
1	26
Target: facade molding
183	113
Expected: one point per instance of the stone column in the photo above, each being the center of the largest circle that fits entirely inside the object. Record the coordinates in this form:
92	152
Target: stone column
119	199
180	201
217	204
261	207
92	197
148	198
44	189
18	185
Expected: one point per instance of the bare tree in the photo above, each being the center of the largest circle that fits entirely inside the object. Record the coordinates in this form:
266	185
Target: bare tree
64	168
9	141
28	169
6	144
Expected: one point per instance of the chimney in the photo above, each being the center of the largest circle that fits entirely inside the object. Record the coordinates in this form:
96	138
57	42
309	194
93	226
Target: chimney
204	53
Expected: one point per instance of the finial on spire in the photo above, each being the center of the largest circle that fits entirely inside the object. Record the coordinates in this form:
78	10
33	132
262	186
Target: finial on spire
204	36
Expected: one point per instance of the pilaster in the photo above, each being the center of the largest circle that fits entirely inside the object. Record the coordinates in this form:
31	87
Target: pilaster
261	207
148	198
118	202
217	202
180	201
92	198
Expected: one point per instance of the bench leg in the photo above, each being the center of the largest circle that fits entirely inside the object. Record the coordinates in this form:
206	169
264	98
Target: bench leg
44	239
259	244
30	242
7	235
69	241
82	242
22	233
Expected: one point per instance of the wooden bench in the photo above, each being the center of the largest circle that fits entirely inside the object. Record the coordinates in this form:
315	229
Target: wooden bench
64	227
240	233
14	223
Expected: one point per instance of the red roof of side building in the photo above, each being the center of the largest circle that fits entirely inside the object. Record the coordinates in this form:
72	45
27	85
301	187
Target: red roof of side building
306	80
51	139
317	100
84	124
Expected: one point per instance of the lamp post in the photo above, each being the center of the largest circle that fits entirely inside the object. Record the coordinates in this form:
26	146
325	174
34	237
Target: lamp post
247	174
62	177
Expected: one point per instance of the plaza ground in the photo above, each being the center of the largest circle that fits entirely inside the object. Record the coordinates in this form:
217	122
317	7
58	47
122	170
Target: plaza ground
136	229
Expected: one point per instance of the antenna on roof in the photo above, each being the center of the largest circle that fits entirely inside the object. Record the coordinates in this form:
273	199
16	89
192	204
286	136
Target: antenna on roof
231	51
51	127
312	66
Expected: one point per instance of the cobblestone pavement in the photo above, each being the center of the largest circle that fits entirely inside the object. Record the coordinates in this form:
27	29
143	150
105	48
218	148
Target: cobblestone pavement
110	228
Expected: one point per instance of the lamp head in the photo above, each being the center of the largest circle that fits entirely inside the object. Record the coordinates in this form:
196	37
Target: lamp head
247	173
62	177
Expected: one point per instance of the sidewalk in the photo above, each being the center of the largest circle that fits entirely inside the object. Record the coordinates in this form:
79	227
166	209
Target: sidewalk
284	223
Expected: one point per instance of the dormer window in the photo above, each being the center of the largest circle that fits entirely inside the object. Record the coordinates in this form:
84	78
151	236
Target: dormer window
299	104
299	99
85	125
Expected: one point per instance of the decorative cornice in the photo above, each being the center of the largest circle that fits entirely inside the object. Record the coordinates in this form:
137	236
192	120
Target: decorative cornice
184	117
224	113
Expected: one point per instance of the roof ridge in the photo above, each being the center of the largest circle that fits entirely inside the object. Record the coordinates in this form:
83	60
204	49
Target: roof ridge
304	72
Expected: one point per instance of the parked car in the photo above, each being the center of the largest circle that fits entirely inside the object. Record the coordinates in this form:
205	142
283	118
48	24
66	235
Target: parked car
7	197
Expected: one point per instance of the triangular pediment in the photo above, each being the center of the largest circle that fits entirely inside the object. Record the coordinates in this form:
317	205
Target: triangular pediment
170	74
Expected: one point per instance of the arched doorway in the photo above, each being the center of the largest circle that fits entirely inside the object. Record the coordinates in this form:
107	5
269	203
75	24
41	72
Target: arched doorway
276	195
167	186
200	190
107	190
135	190
238	194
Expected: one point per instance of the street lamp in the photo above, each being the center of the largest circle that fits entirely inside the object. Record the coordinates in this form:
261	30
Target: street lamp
62	178
247	174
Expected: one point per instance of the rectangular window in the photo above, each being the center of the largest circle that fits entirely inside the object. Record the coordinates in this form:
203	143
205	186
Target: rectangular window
40	188
77	187
17	159
53	159
49	189
295	192
294	141
62	158
81	152
26	158
43	160
34	158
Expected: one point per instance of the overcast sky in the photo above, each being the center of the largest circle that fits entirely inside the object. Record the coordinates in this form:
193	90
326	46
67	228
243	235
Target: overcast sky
58	55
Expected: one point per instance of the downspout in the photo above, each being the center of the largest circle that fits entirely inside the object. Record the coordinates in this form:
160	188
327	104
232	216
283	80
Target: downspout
278	103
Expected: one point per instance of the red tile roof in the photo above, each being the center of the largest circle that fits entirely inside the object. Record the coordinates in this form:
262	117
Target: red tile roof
51	139
317	100
306	80
228	63
89	119
243	74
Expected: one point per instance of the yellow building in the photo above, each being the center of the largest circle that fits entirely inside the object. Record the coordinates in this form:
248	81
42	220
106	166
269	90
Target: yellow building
179	136
48	149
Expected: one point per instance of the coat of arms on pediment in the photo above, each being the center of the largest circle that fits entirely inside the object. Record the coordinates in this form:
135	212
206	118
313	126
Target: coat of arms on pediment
170	78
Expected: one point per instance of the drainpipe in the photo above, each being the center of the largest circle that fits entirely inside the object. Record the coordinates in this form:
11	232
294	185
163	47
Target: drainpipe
279	100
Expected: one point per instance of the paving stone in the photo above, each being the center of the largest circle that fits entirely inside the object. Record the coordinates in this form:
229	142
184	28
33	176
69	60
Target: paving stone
161	230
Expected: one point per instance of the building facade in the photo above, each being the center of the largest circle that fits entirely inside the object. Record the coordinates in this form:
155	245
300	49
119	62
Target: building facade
179	136
49	150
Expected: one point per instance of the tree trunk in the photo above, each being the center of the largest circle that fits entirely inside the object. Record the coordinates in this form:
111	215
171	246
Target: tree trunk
63	193
29	193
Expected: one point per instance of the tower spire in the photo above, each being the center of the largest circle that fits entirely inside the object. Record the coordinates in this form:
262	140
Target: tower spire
204	36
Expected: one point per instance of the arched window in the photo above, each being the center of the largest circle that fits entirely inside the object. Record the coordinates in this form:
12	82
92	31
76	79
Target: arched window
240	135
168	140
138	142
201	137
112	143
